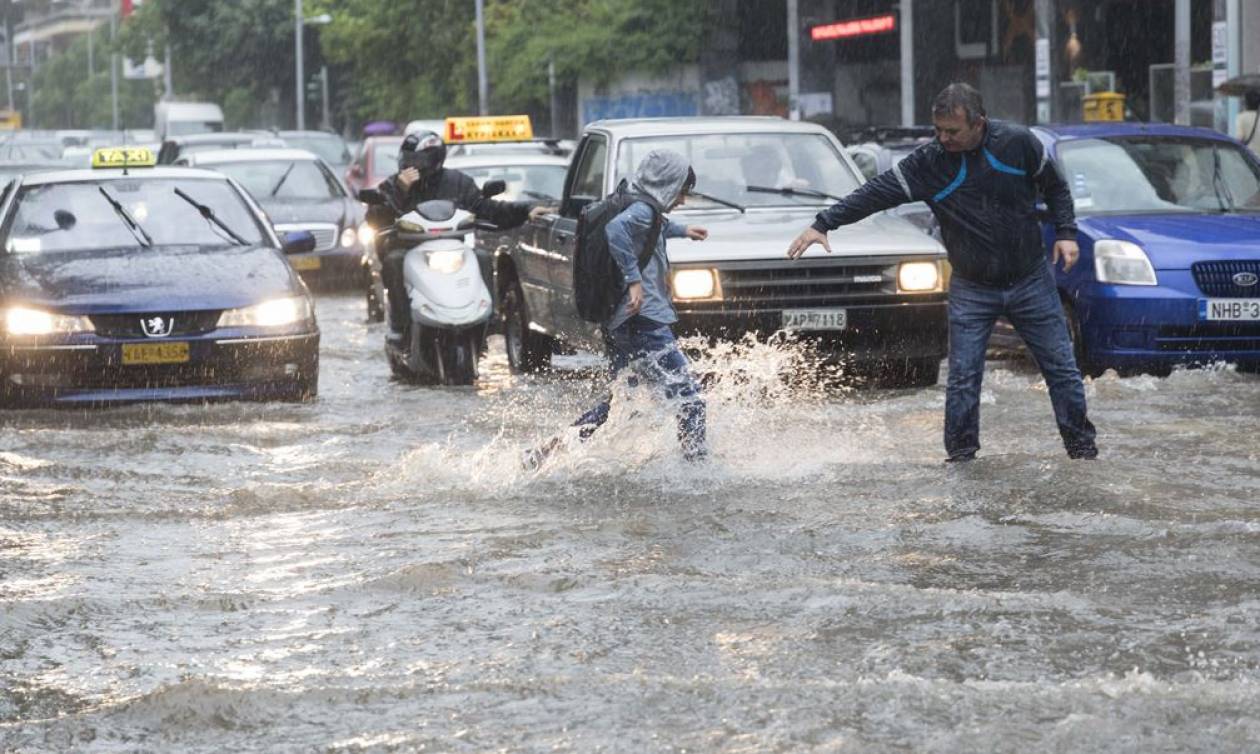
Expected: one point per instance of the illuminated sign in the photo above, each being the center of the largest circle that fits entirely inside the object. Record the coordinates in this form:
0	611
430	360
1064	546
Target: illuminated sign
856	27
495	128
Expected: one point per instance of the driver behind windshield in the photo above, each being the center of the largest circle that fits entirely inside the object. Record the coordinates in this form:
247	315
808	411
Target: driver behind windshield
421	177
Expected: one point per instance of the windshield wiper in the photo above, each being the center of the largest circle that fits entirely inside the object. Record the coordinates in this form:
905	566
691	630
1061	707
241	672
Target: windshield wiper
141	236
1218	183
716	200
793	192
208	213
538	195
276	189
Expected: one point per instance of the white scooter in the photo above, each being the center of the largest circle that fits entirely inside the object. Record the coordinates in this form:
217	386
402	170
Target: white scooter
449	302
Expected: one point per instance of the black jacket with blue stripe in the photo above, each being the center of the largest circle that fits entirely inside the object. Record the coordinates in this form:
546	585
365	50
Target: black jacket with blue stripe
985	201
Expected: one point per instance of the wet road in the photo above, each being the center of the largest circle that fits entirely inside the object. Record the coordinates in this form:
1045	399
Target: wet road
373	572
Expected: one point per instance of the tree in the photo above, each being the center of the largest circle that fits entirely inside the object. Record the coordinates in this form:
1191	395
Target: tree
68	96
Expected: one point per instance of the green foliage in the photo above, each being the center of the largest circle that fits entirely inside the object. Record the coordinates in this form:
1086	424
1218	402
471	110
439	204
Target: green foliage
66	96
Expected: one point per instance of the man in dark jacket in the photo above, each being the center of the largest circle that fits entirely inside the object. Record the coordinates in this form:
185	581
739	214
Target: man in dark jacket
421	177
981	179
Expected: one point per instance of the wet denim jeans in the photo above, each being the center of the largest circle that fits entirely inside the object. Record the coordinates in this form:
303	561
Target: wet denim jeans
1032	306
651	350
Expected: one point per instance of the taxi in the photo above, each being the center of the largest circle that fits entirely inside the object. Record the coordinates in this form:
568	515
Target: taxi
128	282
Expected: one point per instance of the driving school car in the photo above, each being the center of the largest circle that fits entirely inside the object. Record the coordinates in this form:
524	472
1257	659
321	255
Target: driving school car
126	283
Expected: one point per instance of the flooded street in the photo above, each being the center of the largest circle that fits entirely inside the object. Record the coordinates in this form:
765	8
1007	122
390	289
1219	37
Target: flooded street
375	572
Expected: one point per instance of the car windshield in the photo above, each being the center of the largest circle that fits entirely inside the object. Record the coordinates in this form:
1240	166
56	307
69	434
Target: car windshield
66	217
282	179
1147	174
524	182
331	149
727	164
31	151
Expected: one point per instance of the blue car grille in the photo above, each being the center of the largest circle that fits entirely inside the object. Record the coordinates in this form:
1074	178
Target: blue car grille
130	325
1217	278
1210	337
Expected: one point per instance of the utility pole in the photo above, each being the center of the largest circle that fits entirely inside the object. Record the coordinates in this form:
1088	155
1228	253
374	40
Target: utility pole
1044	60
794	59
907	63
113	61
299	84
168	78
555	103
483	85
10	51
1181	69
326	120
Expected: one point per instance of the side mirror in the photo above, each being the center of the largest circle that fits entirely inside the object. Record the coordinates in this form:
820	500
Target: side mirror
298	242
371	197
356	170
493	188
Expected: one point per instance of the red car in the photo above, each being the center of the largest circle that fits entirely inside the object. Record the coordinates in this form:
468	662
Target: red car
376	161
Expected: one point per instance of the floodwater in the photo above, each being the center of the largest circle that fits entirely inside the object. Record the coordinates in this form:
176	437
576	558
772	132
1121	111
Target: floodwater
375	572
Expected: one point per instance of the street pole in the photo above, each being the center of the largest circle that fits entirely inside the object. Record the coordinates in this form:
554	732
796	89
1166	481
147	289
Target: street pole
11	50
168	78
483	86
299	85
907	63
91	62
794	60
555	103
113	62
1043	60
326	121
1181	70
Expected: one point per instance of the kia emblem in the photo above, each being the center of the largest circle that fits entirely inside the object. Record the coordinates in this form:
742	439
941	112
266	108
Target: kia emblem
1246	279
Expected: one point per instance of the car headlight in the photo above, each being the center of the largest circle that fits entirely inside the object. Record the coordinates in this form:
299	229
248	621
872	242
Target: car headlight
917	277
449	261
348	237
1122	263
366	234
19	320
690	285
277	312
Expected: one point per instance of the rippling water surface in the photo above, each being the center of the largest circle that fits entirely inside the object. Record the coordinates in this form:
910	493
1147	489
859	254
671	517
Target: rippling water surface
375	572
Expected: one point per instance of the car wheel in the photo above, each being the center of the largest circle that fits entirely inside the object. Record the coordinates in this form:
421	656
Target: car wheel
527	351
1088	367
305	386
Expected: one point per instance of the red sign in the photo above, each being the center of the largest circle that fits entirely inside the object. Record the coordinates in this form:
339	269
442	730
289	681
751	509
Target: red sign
857	27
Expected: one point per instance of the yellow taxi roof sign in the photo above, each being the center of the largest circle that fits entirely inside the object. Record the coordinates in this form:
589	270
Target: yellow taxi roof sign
124	157
490	128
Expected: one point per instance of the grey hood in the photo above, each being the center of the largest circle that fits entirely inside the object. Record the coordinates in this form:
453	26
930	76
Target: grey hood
661	176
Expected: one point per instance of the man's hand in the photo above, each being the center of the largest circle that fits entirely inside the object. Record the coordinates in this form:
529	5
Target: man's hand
407	178
635	302
1068	251
537	213
696	233
806	239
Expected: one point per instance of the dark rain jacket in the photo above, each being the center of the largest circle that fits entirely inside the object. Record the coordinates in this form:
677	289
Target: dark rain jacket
453	186
985	201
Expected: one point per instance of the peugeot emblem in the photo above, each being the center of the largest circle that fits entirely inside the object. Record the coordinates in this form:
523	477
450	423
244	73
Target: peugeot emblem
157	326
1246	279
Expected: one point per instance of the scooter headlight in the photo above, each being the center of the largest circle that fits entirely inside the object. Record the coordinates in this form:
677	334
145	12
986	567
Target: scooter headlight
366	234
446	260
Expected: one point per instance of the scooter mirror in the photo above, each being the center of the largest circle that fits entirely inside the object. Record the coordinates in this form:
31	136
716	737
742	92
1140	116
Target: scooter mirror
493	188
370	196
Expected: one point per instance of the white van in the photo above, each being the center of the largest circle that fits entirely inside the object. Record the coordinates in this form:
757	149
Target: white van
183	118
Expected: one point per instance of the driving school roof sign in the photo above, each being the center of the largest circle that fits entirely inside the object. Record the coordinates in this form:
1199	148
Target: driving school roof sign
489	129
854	27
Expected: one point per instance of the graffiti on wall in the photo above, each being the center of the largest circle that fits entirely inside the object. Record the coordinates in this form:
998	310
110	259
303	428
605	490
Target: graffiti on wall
644	105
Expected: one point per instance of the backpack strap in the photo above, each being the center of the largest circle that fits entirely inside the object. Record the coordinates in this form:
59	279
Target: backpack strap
653	236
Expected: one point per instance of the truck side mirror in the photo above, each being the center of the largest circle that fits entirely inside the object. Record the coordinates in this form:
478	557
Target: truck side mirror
493	188
371	197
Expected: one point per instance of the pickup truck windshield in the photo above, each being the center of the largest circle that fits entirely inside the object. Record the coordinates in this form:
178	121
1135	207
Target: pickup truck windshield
1147	174
727	164
65	217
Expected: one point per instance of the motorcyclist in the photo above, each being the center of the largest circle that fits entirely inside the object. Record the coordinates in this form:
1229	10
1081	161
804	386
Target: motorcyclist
421	177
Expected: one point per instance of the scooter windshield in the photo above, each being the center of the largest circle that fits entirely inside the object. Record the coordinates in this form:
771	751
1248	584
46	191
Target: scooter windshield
436	210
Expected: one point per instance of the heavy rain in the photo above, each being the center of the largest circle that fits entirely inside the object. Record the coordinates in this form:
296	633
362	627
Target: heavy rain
629	376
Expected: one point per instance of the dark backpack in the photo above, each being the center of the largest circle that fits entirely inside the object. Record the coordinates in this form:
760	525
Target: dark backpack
598	285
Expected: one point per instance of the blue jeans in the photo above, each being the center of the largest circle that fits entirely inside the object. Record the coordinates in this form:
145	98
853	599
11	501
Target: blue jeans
650	348
1032	305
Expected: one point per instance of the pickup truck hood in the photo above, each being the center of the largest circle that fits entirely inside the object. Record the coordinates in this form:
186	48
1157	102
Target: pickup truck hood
158	279
766	234
1175	241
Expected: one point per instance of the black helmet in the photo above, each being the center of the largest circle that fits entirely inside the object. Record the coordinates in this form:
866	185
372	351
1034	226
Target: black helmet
423	150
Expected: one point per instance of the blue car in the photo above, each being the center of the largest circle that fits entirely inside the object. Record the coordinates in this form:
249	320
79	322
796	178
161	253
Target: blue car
148	284
1169	222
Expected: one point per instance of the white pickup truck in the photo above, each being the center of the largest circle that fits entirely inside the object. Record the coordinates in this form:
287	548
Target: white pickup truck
877	302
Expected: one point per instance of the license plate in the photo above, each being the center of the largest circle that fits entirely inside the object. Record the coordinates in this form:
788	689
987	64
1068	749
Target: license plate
1237	309
175	352
304	264
815	319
